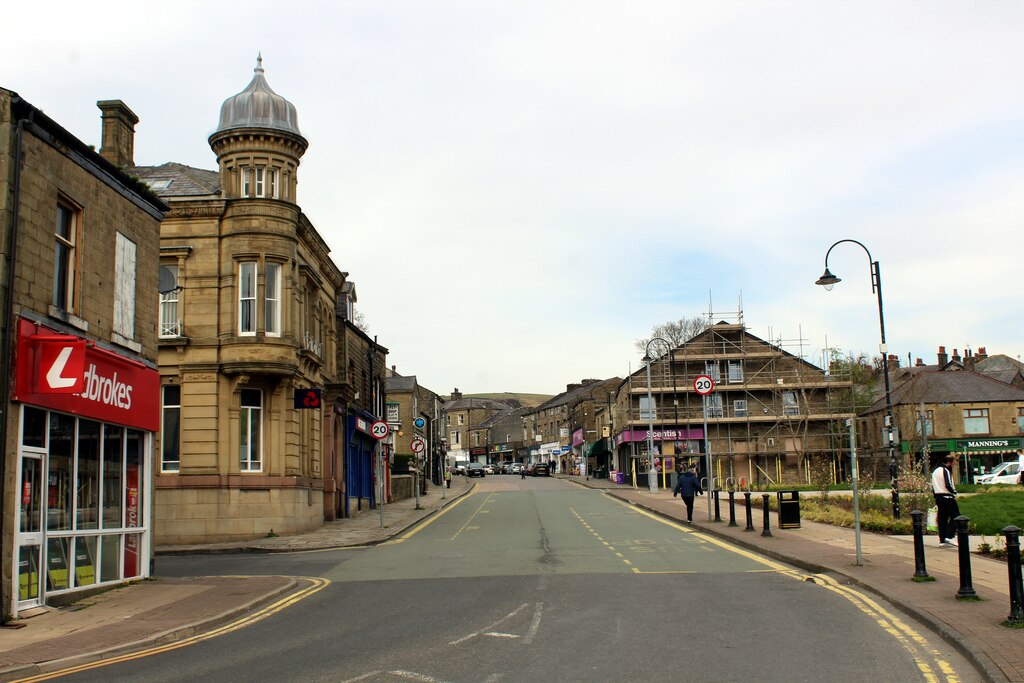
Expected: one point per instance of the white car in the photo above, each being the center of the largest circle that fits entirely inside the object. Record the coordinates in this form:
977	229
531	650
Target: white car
1004	473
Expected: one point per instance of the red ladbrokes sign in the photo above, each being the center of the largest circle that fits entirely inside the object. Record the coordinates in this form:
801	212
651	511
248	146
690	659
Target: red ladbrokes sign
65	373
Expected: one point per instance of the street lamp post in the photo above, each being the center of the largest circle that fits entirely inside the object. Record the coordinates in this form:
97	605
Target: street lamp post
828	280
652	472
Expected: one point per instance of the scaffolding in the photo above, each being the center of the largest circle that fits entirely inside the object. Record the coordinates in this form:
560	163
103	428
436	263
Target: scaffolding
772	412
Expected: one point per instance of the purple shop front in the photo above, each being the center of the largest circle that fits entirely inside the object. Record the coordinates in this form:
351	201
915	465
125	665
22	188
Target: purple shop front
659	435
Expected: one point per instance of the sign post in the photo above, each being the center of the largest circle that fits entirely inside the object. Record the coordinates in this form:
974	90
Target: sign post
380	430
418	445
704	385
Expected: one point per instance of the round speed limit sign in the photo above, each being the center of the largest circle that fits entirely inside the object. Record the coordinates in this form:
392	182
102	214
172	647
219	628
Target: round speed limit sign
703	385
379	429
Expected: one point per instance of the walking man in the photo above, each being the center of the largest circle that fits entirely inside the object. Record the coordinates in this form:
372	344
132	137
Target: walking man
686	487
945	501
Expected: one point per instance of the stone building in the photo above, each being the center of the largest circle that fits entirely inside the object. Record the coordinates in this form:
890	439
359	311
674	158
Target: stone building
249	335
769	414
79	380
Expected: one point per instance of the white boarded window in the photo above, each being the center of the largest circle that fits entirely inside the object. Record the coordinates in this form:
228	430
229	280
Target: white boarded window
124	288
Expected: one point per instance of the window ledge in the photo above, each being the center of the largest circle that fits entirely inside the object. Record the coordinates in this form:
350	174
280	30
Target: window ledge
69	318
126	342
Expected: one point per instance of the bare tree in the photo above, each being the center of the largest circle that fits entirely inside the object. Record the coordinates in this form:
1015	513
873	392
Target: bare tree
675	332
359	320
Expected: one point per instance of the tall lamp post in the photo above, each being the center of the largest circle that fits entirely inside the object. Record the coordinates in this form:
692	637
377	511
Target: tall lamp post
652	472
828	281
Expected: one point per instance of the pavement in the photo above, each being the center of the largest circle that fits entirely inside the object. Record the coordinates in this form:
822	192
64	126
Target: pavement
164	611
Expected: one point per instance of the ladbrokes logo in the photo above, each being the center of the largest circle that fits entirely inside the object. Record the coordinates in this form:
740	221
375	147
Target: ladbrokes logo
107	390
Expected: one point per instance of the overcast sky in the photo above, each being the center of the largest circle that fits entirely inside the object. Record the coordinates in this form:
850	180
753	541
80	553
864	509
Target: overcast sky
520	190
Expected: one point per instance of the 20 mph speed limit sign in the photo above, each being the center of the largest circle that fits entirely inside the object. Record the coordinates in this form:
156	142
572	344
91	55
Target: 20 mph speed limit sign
379	430
703	385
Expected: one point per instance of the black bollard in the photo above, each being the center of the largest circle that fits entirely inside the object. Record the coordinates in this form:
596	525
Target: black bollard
1016	617
732	509
718	512
966	590
766	531
750	515
920	573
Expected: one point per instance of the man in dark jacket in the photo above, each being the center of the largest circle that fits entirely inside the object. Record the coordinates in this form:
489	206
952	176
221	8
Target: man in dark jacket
686	487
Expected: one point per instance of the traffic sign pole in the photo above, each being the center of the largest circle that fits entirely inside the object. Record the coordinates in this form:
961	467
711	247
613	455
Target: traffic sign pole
704	385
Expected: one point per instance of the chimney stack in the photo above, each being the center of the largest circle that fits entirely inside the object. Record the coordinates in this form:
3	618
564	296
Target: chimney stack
456	394
943	358
894	361
118	142
956	355
982	353
918	363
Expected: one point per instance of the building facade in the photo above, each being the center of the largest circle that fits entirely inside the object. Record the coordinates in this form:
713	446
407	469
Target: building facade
249	336
769	414
80	384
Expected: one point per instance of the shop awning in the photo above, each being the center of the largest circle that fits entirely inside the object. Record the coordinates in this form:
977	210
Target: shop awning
598	448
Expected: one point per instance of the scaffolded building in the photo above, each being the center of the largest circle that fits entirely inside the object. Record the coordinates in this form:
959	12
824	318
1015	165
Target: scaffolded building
771	414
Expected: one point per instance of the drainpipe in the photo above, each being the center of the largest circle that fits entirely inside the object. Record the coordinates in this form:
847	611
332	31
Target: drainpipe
8	345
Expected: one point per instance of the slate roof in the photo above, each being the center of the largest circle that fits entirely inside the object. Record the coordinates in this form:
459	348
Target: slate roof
185	181
502	416
476	403
963	386
576	394
398	384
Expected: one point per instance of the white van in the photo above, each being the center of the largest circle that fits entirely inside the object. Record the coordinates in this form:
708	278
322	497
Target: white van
1004	473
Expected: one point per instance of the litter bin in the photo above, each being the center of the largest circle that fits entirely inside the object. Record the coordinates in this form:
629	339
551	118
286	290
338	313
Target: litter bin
789	509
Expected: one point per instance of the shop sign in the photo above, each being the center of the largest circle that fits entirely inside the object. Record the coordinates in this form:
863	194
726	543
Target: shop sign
998	444
306	399
110	388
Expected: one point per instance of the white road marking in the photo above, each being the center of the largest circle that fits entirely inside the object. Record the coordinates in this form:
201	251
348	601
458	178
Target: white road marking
491	627
535	624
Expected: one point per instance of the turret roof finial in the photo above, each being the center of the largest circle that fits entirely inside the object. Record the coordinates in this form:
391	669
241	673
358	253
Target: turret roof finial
259	63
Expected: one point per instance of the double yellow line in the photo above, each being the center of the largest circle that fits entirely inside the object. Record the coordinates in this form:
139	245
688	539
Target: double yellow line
315	585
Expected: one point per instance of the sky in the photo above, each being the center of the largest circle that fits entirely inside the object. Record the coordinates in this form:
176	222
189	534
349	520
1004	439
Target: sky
521	190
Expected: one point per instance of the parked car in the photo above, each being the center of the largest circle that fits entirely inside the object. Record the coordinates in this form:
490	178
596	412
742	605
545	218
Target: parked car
460	467
506	467
515	468
489	469
475	469
1004	473
541	469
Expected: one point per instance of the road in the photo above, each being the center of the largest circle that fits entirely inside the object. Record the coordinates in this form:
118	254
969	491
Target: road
540	580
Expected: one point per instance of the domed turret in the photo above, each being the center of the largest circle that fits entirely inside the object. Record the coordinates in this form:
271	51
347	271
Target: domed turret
258	143
258	106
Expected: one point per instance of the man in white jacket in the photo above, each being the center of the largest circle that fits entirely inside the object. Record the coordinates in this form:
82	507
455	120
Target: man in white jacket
945	500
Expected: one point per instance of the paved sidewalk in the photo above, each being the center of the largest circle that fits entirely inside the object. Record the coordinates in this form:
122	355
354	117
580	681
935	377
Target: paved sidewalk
887	570
363	529
161	610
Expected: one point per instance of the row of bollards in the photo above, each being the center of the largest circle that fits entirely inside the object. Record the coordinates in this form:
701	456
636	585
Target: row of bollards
966	590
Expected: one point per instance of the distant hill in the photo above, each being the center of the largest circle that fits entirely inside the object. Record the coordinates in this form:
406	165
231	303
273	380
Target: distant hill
512	398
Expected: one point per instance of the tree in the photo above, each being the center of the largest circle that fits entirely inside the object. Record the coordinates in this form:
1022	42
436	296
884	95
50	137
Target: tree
862	373
359	320
675	332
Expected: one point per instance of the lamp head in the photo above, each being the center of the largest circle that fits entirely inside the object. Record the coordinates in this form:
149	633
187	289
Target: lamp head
646	358
827	280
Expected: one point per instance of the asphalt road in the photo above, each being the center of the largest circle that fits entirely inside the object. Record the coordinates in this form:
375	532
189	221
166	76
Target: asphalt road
539	580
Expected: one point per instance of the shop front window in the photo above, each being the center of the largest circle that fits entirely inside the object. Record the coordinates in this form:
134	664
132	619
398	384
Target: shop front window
87	514
85	565
113	463
250	420
57	564
59	492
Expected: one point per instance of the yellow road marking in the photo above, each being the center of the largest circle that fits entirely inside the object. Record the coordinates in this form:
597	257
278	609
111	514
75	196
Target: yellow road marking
317	585
707	539
473	516
430	520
